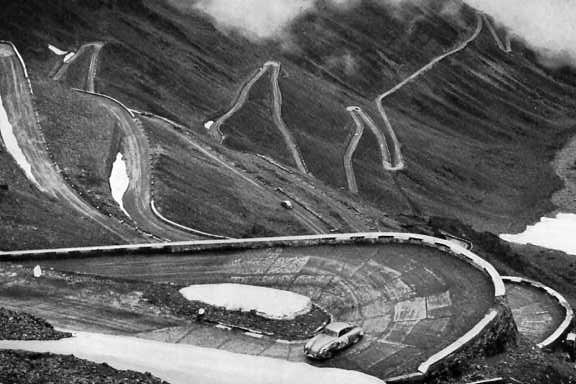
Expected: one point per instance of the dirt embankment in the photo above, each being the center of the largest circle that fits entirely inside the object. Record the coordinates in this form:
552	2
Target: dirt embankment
23	326
299	328
18	367
77	301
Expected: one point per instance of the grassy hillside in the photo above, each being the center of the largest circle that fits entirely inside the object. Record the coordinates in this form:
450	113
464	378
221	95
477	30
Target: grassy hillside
477	131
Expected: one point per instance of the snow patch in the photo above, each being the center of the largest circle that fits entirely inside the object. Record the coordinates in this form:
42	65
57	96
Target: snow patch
267	302
555	233
119	181
11	143
208	124
184	364
56	50
69	56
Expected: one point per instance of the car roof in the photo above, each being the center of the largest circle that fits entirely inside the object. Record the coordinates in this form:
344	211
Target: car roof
338	326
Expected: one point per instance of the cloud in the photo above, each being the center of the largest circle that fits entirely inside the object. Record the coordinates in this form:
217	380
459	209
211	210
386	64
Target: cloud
548	26
257	19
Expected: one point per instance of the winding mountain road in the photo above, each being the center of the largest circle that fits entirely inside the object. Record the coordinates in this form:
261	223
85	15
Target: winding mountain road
16	94
362	119
288	138
91	74
506	45
411	300
433	63
137	199
215	129
306	218
388	141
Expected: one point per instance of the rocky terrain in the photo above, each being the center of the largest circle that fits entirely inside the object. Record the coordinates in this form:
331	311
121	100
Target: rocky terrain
19	367
23	326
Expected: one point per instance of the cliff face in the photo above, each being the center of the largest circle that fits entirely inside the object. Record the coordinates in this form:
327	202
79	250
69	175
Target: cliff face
477	131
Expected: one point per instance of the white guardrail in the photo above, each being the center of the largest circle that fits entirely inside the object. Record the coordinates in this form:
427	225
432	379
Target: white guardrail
375	237
568	311
199	245
128	110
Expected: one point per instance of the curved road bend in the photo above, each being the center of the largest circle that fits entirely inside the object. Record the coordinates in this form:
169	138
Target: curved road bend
506	45
288	138
351	149
137	199
433	63
387	161
97	47
537	313
412	301
17	99
215	129
311	222
398	160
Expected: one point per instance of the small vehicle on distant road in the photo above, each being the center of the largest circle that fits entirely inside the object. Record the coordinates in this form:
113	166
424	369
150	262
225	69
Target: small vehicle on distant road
335	337
287	204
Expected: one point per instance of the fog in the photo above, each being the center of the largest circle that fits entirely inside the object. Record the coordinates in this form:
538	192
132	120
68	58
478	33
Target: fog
548	26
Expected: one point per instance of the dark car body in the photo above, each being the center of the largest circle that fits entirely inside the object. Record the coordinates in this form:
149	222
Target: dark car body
334	337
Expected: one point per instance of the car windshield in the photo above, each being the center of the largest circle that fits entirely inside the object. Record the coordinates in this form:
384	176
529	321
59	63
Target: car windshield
330	332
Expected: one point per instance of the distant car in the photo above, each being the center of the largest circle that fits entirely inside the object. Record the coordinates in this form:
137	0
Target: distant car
287	204
335	337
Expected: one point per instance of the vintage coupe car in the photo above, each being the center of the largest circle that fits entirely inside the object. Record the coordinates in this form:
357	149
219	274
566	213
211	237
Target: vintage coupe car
336	336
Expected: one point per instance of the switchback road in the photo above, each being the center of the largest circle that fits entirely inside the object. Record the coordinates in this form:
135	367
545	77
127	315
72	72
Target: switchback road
412	301
16	93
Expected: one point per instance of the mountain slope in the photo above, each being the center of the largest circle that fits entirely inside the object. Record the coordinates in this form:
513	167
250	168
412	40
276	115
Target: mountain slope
477	131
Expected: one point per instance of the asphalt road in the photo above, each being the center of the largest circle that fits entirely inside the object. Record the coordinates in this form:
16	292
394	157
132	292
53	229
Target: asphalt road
351	149
137	199
240	100
17	99
412	301
279	121
95	48
536	313
307	219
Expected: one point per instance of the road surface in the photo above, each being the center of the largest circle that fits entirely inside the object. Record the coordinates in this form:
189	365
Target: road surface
95	48
306	218
412	301
185	364
16	94
136	150
277	114
215	129
351	149
506	45
538	311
